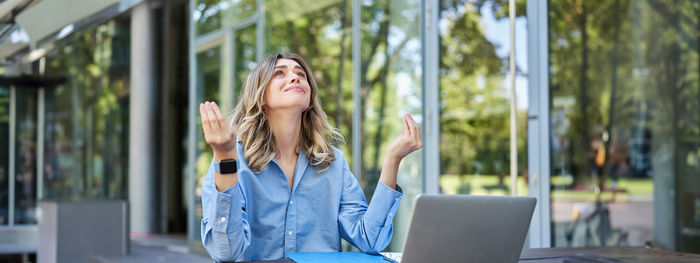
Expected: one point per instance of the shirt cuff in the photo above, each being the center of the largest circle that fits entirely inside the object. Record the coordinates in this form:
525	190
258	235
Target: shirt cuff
228	209
385	202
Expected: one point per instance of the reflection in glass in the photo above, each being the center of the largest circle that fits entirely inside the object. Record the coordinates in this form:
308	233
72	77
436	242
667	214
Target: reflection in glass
86	132
244	56
208	68
25	155
4	154
475	99
390	87
625	112
210	15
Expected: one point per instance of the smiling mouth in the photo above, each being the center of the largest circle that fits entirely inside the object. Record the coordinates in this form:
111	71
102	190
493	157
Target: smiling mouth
296	88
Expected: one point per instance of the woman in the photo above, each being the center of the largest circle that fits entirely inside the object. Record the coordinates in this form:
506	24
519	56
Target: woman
281	187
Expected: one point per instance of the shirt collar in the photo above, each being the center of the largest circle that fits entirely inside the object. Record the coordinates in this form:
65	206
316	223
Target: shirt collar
302	164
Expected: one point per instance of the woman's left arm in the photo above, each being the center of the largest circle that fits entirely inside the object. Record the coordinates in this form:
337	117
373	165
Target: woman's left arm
370	228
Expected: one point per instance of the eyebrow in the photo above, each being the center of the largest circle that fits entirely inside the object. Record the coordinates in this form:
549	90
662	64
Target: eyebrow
285	66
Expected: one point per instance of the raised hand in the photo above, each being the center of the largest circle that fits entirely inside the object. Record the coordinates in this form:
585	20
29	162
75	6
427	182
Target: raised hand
409	141
217	133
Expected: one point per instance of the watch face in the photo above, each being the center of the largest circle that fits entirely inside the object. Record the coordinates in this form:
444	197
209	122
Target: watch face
228	166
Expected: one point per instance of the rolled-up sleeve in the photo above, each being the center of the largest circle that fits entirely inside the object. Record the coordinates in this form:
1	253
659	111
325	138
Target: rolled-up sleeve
225	228
369	228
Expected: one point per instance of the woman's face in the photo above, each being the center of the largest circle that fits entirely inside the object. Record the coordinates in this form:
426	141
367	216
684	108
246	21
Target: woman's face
288	88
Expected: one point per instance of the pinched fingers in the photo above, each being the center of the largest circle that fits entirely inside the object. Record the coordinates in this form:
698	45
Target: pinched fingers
409	141
415	132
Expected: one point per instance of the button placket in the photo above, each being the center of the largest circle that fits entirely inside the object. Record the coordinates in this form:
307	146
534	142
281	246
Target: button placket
290	226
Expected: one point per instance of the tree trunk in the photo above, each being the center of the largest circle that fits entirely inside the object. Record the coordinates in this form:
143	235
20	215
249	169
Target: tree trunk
583	96
613	90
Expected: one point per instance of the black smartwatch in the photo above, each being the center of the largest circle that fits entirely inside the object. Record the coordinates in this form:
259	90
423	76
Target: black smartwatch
226	166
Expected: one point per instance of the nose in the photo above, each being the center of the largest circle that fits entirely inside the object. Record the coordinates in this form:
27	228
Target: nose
295	78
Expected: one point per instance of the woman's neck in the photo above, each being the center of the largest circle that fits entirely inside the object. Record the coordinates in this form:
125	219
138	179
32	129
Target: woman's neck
286	127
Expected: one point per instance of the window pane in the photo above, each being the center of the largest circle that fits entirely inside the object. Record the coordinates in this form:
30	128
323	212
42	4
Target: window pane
210	15
475	99
86	132
625	112
390	87
321	32
4	153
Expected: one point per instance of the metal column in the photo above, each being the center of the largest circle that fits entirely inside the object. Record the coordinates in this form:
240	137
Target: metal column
538	122
431	96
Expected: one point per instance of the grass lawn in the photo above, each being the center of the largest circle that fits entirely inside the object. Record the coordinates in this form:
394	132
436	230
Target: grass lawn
479	185
488	184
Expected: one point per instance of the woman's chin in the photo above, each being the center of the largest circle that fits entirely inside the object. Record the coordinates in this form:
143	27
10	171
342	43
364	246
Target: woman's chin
299	106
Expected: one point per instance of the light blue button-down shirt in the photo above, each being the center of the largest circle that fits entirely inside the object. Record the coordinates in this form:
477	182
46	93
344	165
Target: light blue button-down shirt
260	219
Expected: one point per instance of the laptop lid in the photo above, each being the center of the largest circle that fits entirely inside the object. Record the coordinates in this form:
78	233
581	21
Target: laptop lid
466	228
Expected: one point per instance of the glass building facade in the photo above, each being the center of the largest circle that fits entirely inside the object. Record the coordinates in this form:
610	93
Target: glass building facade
607	105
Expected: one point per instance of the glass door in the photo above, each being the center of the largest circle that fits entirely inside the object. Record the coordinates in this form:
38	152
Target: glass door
19	123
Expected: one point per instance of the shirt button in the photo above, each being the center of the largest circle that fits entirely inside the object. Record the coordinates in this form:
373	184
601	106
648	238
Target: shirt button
391	214
290	233
396	199
223	219
291	202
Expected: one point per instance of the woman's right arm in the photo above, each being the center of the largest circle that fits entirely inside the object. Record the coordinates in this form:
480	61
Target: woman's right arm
225	229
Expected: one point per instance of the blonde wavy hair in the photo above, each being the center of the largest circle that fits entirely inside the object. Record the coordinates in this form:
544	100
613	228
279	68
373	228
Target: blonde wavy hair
252	127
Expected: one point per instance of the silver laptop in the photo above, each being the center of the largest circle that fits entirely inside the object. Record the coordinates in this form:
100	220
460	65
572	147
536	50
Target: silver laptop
467	228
